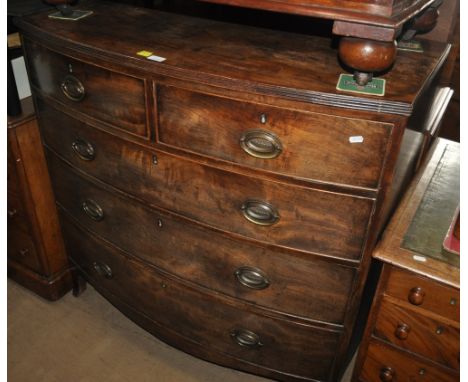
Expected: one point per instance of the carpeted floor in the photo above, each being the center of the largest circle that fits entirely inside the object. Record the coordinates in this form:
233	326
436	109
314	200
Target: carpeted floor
86	339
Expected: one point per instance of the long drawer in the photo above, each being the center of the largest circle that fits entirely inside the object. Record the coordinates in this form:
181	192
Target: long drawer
419	334
213	322
310	288
326	223
306	145
108	96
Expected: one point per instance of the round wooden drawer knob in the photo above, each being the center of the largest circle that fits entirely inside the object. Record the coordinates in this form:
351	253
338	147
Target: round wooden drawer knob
386	374
402	331
416	296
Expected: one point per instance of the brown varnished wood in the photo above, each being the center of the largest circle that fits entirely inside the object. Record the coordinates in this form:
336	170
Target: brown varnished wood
301	287
36	254
329	220
431	338
197	192
319	148
406	367
367	56
414	321
287	347
370	12
294	71
22	249
390	249
437	297
16	210
109	96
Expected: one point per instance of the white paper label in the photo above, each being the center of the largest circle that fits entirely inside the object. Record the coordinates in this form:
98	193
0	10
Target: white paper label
156	58
421	259
356	139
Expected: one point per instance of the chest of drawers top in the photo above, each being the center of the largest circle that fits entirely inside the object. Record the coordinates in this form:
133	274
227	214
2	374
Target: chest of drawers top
236	57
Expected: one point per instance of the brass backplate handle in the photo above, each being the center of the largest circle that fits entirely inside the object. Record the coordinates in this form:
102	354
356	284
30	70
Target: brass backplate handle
83	149
260	212
252	278
246	338
72	88
261	144
93	210
102	270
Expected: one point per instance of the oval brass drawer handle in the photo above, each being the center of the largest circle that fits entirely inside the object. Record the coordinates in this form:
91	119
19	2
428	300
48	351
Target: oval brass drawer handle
23	252
252	278
246	338
12	213
103	270
261	144
93	210
72	88
260	212
83	149
387	374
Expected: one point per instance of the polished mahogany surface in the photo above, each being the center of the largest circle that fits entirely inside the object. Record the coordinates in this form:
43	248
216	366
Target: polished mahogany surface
228	198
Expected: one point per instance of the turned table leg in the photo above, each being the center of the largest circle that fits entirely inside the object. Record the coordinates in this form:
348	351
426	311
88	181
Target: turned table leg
366	56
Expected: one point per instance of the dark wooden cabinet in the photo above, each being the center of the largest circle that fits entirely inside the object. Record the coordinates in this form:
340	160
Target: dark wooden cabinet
413	331
36	254
228	198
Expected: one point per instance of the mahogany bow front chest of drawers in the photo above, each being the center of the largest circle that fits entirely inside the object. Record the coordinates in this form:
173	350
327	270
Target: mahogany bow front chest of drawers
226	199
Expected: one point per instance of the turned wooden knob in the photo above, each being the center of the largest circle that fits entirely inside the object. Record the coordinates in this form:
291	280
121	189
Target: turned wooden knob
386	374
366	56
416	296
402	331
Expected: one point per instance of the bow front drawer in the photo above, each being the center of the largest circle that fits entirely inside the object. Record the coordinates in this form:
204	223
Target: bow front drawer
300	144
266	277
213	322
325	223
110	97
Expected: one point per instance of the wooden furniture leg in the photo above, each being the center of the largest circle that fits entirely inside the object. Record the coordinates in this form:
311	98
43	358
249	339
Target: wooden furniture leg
79	283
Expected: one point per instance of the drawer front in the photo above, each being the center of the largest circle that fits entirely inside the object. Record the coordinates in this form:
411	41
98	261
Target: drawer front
103	94
17	215
295	217
304	145
418	291
384	363
308	288
13	181
419	334
21	248
211	322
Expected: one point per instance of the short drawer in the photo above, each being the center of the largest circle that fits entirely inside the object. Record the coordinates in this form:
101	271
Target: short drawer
13	181
311	220
419	291
213	322
387	364
419	334
16	213
309	288
299	144
21	248
108	96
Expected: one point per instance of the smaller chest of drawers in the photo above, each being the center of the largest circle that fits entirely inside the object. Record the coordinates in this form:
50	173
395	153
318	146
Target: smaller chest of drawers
36	254
413	331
